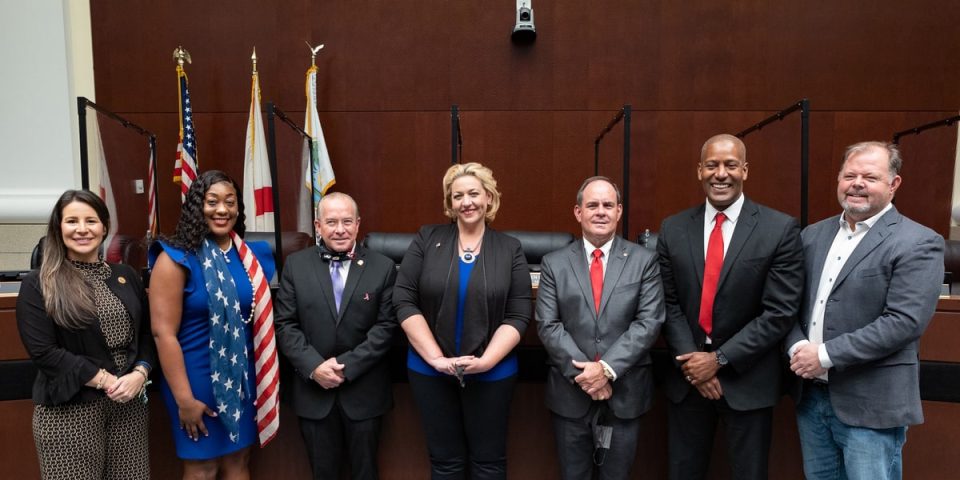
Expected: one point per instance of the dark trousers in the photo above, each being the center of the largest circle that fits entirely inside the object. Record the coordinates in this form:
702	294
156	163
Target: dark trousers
464	425
579	460
693	423
326	439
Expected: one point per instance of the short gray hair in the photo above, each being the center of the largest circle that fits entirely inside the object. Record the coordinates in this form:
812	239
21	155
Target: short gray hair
896	161
335	195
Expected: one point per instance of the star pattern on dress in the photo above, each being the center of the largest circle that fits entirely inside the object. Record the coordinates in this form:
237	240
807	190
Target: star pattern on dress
229	336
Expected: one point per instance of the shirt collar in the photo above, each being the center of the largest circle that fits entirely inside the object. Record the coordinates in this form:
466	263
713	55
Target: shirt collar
869	223
588	248
732	212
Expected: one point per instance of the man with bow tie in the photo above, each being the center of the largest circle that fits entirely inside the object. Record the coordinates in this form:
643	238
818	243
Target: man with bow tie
335	323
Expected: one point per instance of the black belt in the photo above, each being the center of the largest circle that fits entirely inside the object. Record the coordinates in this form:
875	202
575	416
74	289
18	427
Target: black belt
816	383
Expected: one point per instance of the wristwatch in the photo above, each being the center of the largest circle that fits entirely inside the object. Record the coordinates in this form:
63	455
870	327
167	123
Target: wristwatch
607	371
721	358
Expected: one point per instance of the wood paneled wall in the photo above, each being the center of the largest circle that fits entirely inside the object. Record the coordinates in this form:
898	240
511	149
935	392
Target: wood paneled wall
391	70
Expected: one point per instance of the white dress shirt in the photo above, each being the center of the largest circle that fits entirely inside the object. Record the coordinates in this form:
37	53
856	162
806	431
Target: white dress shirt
709	220
844	243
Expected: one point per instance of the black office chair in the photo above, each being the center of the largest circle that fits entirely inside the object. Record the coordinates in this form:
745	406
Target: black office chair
392	245
292	242
537	244
36	257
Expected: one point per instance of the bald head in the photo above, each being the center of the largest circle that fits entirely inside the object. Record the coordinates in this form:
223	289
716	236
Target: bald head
741	149
339	197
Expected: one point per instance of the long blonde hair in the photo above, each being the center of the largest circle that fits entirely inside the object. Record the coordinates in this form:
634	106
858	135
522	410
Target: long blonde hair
67	297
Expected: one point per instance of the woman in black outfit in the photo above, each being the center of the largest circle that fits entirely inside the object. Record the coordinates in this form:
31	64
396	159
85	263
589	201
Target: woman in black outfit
84	323
463	298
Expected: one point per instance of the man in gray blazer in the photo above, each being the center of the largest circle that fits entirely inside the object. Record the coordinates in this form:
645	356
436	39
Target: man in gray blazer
599	311
873	278
335	323
732	279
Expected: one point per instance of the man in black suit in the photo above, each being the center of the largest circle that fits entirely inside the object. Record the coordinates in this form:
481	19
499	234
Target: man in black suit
732	279
335	322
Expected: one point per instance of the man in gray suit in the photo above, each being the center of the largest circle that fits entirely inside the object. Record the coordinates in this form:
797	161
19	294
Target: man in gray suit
599	310
873	278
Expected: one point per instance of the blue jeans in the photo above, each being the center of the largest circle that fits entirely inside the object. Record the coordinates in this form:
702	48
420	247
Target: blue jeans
834	450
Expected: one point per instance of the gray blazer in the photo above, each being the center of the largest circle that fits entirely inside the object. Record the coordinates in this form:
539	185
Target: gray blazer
631	313
880	304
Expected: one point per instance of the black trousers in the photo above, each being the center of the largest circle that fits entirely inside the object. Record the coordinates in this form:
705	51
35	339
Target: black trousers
327	438
693	423
464	425
579	460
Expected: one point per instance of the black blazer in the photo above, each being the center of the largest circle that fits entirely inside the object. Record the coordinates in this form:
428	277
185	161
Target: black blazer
67	359
309	330
758	297
499	291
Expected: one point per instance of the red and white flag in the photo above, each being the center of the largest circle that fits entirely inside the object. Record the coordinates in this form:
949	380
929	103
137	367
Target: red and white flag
257	182
153	223
105	189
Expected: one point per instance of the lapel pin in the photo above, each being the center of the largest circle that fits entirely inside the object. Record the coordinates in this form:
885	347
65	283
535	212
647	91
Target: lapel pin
438	244
366	296
624	254
360	262
122	280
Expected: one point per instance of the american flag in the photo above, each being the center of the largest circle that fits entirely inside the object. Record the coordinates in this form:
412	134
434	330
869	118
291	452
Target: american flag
185	169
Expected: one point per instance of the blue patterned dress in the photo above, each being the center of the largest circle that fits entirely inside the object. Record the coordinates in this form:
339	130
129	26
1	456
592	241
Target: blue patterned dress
194	338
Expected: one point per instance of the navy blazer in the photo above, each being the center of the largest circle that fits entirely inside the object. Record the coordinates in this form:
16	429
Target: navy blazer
499	291
67	359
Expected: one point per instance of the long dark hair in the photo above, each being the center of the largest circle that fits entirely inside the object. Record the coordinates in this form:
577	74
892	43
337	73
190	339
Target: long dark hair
192	226
67	297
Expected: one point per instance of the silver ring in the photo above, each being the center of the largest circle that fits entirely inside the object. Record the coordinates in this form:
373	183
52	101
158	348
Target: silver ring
688	378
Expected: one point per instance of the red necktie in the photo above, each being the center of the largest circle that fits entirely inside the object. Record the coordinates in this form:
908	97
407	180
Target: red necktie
711	274
596	278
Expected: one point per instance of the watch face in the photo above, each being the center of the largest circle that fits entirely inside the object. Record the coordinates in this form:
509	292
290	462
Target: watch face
721	358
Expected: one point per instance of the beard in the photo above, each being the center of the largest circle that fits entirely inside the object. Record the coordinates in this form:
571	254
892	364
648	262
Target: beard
854	208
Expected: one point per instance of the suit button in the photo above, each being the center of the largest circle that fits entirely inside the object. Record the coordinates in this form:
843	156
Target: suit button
598	339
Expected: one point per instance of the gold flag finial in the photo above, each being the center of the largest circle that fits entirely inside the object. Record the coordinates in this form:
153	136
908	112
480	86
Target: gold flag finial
254	58
180	54
313	52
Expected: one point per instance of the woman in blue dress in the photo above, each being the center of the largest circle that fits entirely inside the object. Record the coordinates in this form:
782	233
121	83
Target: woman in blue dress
202	305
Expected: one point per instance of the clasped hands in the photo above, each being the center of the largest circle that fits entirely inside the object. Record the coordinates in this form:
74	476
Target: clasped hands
469	364
592	380
123	389
805	361
700	369
329	374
